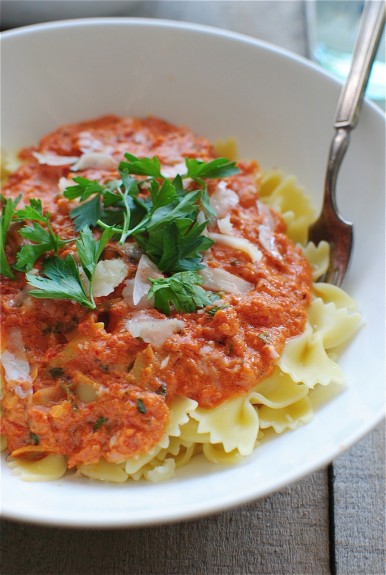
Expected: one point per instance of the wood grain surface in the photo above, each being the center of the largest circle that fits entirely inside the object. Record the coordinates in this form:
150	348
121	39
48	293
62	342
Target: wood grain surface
332	521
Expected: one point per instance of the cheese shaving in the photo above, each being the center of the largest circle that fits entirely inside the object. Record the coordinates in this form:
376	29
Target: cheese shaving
240	244
153	331
220	280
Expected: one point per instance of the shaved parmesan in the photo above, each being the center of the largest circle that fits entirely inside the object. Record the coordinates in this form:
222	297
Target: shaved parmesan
240	244
54	160
223	199
268	241
173	171
64	183
153	331
225	226
136	289
146	269
107	276
15	363
15	368
221	280
94	160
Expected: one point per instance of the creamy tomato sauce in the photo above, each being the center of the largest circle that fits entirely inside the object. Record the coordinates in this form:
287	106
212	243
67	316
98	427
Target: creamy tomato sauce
95	391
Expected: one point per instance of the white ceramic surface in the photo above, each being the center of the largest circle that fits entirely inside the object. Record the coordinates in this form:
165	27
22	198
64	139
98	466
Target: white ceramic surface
280	109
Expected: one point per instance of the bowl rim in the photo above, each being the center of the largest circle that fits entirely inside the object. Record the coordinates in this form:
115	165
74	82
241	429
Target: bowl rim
183	25
240	498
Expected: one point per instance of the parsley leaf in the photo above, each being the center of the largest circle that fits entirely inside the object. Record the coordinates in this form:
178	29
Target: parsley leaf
83	189
218	168
213	310
87	213
141	166
61	281
28	255
44	238
183	290
90	250
163	220
9	207
177	246
32	212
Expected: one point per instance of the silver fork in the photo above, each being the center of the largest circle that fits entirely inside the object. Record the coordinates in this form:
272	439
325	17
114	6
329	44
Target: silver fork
330	226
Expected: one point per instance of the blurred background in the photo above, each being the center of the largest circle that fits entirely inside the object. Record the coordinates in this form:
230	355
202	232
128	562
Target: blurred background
323	30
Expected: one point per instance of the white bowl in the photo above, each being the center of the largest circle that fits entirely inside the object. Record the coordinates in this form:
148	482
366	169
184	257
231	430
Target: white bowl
280	109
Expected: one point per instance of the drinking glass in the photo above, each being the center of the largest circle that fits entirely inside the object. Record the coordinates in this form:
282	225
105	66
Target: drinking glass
332	30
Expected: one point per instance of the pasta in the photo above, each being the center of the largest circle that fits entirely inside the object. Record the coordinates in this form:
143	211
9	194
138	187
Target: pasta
230	429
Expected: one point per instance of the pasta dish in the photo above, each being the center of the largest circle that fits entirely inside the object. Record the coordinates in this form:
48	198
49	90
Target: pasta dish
159	301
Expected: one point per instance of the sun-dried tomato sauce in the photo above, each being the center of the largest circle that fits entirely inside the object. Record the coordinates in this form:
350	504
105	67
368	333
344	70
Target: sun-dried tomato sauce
95	390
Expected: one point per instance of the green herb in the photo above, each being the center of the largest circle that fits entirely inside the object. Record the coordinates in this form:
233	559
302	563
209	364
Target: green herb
141	406
213	310
56	372
99	422
62	279
44	239
164	224
176	246
90	250
156	211
183	290
9	207
34	438
87	214
218	168
141	166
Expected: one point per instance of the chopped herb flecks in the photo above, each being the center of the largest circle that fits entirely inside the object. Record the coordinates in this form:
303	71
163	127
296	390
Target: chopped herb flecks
34	438
56	372
99	422
141	406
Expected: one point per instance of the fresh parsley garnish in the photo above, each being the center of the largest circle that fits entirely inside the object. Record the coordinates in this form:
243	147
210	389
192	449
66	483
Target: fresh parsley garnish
40	233
183	290
141	166
218	168
90	251
143	204
163	221
9	207
61	279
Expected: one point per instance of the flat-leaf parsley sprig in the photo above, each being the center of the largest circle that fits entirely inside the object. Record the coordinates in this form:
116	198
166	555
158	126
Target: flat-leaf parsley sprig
183	290
163	221
41	235
8	209
156	211
61	279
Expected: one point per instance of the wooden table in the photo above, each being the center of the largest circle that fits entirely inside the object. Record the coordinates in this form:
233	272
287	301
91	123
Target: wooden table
330	522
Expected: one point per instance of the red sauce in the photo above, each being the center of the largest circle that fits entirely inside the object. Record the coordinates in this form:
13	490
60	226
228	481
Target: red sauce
67	346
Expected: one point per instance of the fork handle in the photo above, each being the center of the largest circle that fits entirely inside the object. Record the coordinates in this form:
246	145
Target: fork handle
369	37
